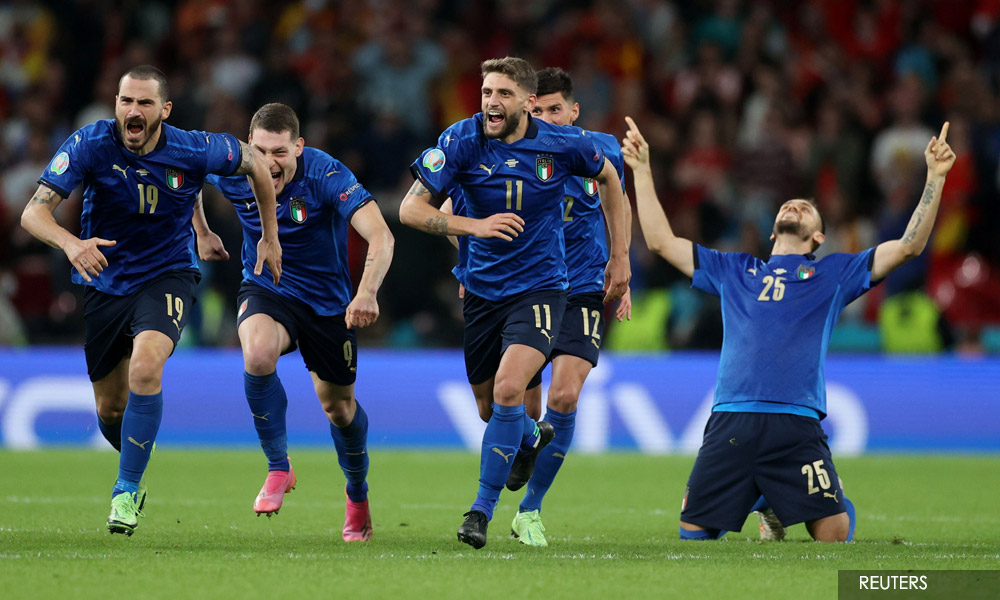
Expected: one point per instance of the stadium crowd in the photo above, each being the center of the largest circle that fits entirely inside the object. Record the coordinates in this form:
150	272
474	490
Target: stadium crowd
745	105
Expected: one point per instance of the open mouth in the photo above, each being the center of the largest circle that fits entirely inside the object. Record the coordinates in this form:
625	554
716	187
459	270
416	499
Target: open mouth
134	128
276	178
494	118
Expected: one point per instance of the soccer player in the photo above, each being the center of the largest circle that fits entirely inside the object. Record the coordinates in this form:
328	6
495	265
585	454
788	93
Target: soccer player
578	343
512	169
763	444
312	308
136	255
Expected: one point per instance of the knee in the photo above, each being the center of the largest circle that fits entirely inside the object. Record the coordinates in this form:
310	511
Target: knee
563	398
111	410
340	411
506	392
485	410
831	529
144	374
259	358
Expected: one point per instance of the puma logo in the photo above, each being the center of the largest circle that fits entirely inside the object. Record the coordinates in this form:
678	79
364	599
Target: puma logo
506	457
262	417
546	334
362	453
142	445
833	495
596	345
117	168
331	173
489	170
752	272
559	455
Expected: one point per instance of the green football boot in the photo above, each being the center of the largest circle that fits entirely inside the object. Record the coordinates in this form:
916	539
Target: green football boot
528	529
124	517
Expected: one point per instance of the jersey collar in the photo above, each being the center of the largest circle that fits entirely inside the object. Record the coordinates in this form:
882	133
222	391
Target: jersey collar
809	256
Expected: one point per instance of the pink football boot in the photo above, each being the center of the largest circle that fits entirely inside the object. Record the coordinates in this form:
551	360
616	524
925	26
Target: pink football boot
357	522
277	484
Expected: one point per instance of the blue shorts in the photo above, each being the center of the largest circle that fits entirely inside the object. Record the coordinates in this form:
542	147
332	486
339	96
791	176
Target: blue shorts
744	455
582	327
111	322
328	347
531	319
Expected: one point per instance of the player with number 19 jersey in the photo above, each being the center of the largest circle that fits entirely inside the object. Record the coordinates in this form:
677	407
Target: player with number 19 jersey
145	201
526	177
313	212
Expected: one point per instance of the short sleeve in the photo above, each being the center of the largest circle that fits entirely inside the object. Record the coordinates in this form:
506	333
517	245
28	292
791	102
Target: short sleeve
437	167
586	158
709	269
856	274
223	153
70	164
345	192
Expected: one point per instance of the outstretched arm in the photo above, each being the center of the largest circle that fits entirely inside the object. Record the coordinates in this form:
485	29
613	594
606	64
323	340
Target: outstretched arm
618	272
268	248
368	221
656	229
890	255
38	220
417	212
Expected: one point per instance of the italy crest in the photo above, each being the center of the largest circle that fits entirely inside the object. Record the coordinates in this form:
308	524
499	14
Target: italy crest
175	179
297	209
544	167
589	186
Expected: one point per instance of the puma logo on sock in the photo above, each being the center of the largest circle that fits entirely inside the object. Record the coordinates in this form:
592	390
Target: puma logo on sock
506	457
142	445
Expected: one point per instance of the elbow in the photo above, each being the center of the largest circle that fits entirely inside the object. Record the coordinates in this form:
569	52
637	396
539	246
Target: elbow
912	250
406	213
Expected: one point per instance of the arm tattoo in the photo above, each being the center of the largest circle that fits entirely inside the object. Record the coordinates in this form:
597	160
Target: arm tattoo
44	196
246	160
369	260
197	202
437	225
918	214
419	189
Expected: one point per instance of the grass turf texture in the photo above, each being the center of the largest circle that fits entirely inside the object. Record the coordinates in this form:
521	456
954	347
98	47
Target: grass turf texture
611	523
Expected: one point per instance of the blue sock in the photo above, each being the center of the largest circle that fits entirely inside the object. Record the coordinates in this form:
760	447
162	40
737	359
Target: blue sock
550	459
139	426
268	403
702	534
760	505
111	432
529	435
500	442
352	453
852	515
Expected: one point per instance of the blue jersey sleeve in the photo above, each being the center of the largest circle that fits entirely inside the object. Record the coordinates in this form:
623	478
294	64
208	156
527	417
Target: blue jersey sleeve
70	164
856	274
223	155
345	192
438	166
709	269
587	157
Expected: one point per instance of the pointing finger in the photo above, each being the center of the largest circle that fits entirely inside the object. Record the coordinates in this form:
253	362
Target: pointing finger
944	131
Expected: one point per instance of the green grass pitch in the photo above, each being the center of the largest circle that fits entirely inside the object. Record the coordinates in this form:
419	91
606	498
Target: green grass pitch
611	522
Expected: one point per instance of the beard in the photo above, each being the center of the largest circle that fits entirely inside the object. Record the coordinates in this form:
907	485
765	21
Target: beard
793	227
149	129
510	123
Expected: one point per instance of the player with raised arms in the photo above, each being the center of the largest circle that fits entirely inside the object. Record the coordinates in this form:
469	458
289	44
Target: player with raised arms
312	308
764	449
136	255
512	169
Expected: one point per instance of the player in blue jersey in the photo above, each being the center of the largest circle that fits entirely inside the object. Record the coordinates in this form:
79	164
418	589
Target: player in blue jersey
136	255
764	449
312	308
512	169
578	343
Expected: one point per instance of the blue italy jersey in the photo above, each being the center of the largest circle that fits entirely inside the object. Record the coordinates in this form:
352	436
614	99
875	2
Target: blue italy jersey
527	177
585	235
777	319
144	203
314	210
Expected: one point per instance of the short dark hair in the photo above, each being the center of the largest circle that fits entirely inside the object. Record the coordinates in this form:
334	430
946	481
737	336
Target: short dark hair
276	118
517	69
145	73
554	79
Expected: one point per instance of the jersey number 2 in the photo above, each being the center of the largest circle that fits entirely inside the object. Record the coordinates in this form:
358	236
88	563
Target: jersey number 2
778	291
